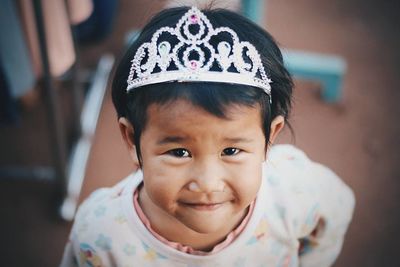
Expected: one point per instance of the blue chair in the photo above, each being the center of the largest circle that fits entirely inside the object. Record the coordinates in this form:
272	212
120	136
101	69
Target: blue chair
327	69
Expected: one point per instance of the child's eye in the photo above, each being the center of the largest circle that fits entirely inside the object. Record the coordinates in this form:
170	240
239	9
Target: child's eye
179	153
230	151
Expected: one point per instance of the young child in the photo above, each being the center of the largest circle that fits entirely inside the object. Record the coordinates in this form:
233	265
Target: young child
201	97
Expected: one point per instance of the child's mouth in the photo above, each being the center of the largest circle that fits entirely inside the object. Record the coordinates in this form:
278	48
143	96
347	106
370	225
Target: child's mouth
203	206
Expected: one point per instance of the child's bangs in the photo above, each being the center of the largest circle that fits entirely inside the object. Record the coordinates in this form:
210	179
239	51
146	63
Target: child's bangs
212	97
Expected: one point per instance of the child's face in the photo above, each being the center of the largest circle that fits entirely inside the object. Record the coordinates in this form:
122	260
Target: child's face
202	170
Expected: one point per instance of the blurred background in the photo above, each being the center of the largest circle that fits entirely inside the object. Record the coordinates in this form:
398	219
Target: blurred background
59	138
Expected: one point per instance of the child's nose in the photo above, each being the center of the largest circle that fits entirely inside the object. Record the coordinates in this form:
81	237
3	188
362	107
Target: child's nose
207	177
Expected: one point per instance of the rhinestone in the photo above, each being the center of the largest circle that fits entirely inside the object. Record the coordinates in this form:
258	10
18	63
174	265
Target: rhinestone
193	64
193	19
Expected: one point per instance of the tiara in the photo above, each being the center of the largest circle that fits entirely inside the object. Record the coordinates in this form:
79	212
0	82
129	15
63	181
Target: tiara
192	52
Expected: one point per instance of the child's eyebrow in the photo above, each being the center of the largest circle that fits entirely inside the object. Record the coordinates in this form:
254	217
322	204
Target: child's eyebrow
171	139
180	139
238	140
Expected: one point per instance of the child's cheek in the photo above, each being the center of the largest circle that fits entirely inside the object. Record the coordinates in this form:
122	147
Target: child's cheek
246	180
162	184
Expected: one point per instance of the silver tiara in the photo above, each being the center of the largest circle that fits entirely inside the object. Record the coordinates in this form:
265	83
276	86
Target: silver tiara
189	55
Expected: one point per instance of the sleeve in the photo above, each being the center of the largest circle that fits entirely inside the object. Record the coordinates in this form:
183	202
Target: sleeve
71	251
335	206
80	249
69	259
77	254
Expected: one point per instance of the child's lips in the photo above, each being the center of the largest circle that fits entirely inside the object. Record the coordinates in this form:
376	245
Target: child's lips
202	202
203	206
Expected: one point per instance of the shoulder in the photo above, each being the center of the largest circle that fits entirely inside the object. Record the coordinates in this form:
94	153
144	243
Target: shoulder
288	168
295	169
286	154
100	200
106	203
307	190
101	224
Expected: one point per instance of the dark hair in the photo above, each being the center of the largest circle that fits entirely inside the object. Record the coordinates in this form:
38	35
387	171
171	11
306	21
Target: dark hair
212	97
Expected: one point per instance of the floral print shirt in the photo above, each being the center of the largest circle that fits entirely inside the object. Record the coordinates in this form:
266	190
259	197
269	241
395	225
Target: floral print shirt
300	218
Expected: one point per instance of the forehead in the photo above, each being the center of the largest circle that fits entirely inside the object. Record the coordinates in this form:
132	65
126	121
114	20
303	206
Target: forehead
182	116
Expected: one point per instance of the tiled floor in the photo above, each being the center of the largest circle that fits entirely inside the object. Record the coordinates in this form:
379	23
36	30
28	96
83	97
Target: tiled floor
358	138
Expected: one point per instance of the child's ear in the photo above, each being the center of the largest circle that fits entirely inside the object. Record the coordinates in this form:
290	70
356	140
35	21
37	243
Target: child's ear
127	131
276	126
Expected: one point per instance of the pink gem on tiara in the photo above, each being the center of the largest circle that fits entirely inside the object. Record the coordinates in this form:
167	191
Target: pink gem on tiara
193	64
194	19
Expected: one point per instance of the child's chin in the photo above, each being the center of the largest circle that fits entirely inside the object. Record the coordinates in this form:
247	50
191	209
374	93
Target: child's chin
206	227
